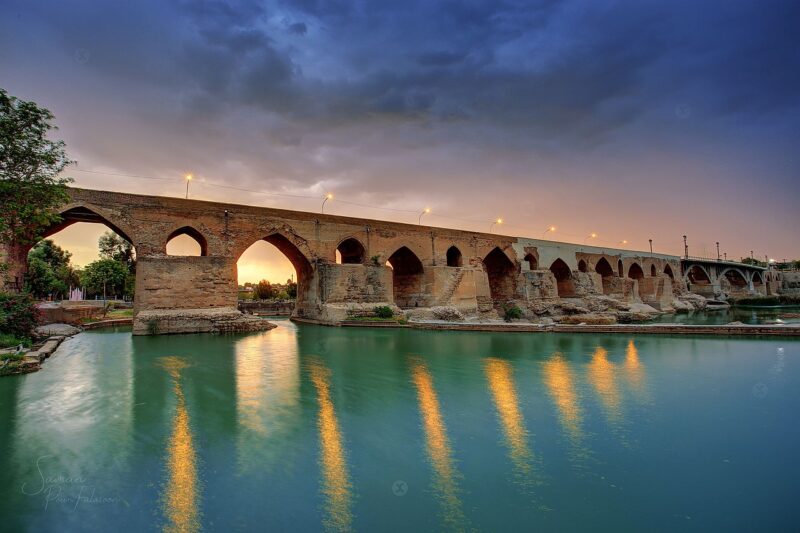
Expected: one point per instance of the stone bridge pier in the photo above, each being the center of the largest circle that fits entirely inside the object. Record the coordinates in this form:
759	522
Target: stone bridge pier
345	266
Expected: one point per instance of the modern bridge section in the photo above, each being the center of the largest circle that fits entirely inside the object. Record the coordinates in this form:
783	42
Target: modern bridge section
721	279
408	266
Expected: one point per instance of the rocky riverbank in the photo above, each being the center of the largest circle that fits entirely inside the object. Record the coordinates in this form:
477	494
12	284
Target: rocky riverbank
20	360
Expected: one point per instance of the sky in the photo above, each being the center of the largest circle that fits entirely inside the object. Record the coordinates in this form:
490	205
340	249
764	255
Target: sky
632	120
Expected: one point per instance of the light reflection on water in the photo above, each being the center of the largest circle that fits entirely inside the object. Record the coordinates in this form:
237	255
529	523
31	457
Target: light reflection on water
181	494
561	386
603	377
336	480
635	372
267	395
500	376
438	447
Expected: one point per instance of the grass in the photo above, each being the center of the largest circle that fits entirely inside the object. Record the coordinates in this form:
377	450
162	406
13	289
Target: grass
111	315
9	341
371	319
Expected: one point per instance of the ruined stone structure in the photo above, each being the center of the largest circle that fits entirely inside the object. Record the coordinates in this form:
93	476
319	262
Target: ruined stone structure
782	282
382	263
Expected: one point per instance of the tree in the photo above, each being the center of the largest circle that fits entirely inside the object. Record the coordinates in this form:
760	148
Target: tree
754	262
30	164
112	246
291	288
49	270
106	277
263	291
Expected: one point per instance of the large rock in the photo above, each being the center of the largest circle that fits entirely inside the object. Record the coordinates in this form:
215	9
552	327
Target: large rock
56	329
447	313
213	320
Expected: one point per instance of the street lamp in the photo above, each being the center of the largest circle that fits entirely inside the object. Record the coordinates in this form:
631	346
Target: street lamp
590	236
548	230
188	179
425	212
498	221
327	197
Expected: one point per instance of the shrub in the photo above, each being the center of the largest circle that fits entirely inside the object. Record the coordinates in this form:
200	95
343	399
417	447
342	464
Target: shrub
511	312
375	260
18	315
450	314
384	311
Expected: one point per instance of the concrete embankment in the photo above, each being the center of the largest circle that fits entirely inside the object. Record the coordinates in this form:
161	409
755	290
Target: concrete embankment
626	329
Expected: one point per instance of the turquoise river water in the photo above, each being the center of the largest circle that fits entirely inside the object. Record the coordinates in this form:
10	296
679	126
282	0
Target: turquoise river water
307	428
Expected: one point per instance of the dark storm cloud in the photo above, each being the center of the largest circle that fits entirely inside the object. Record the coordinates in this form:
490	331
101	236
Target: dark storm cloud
362	94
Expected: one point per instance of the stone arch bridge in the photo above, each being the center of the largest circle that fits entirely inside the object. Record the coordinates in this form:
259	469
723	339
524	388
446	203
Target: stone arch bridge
381	263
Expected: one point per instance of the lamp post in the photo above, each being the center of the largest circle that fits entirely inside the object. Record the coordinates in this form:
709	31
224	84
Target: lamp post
718	251
651	245
685	248
548	230
498	221
590	236
327	197
188	179
425	212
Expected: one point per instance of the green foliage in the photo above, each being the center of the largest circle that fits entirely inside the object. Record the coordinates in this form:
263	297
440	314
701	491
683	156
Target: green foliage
383	311
375	260
291	288
511	312
29	167
112	246
283	295
263	291
49	270
7	340
18	315
105	277
756	262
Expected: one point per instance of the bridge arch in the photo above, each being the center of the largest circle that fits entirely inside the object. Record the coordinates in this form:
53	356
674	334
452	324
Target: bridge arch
606	273
502	274
454	257
635	271
192	233
71	214
653	271
299	259
81	212
350	251
407	278
582	266
735	277
668	272
756	278
564	282
620	269
697	275
532	260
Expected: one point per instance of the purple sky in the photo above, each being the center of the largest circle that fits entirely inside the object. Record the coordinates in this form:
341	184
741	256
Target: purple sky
633	120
